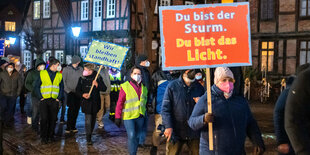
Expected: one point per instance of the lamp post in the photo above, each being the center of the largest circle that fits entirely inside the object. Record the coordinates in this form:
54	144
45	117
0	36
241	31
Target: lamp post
12	40
76	32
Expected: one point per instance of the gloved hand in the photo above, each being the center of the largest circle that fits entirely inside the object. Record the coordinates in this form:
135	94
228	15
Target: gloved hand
258	150
118	122
208	118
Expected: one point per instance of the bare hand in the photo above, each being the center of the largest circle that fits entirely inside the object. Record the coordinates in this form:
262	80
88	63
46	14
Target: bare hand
284	148
57	100
95	83
168	133
86	96
196	99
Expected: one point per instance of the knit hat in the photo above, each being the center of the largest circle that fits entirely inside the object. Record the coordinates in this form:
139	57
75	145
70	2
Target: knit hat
222	72
76	59
2	62
140	58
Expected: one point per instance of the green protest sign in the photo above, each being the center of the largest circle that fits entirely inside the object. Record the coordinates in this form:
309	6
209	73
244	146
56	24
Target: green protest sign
107	54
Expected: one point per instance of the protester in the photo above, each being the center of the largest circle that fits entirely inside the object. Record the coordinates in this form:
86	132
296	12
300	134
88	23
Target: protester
177	107
23	94
28	105
63	103
90	103
284	145
71	75
104	96
10	88
115	78
200	76
30	81
50	89
297	110
232	118
132	105
3	64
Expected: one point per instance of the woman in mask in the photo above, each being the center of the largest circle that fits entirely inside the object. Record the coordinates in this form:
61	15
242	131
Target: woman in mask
131	105
231	117
90	103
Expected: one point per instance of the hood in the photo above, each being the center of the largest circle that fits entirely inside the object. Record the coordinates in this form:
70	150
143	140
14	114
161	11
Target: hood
39	62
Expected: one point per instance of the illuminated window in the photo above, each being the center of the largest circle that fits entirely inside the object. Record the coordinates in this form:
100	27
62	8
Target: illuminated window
83	51
27	59
84	10
267	56
59	55
46	55
36	10
10	26
110	8
46	8
304	53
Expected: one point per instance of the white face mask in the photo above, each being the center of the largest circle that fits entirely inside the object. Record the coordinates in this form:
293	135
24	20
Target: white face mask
147	64
18	63
198	77
41	67
10	69
59	68
137	78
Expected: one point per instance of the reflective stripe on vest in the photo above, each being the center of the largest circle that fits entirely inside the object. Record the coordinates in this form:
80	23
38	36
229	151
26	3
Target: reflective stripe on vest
115	87
49	89
133	107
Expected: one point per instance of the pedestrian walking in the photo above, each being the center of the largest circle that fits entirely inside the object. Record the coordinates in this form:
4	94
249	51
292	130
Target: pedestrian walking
71	75
10	88
28	105
232	118
50	89
31	78
116	81
23	94
90	103
177	106
131	106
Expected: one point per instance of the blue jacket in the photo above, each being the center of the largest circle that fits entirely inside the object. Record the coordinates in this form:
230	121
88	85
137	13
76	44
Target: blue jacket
177	107
233	121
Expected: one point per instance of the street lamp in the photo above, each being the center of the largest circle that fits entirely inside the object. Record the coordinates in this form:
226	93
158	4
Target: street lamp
76	32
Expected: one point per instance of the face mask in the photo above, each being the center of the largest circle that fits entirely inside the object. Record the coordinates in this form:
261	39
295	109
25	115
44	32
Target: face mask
137	78
18	63
86	73
42	67
198	77
147	64
10	69
226	87
59	68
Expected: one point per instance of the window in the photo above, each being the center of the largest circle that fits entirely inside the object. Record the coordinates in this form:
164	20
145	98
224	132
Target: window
83	51
36	10
304	53
267	10
110	8
189	3
60	56
46	8
98	8
46	55
10	26
304	8
165	2
267	56
84	10
27	59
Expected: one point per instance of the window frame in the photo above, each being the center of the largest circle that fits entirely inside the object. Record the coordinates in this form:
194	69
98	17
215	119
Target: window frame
273	18
307	49
46	12
26	57
84	10
111	3
45	58
165	3
36	10
268	49
189	3
83	51
98	14
8	26
307	10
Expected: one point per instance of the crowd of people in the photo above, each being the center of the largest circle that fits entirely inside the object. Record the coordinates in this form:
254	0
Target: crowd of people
177	98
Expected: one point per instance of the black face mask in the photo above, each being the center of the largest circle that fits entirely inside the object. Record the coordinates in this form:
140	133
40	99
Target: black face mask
191	74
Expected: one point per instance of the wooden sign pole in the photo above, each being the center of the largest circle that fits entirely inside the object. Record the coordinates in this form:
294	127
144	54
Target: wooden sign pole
92	86
210	125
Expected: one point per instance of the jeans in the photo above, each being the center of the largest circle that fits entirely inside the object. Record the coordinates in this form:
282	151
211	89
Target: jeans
48	112
28	105
63	108
105	105
134	128
35	113
175	149
74	103
8	104
90	120
144	129
1	137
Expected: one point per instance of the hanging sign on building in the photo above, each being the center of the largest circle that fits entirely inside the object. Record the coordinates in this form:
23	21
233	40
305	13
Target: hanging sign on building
2	47
107	54
204	36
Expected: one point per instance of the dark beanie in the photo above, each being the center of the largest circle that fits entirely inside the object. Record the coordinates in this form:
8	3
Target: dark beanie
2	62
75	59
140	58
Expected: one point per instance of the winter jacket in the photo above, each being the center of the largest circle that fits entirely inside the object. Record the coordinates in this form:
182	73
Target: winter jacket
71	77
233	121
91	105
106	80
10	85
38	83
177	107
297	114
32	76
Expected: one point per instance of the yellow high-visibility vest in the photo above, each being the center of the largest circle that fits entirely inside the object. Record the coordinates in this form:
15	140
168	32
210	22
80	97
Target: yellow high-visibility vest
133	107
115	87
49	89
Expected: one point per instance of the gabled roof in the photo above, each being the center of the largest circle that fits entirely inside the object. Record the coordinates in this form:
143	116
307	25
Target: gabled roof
64	10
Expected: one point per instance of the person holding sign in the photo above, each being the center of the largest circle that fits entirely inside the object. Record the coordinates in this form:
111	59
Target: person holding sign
177	106
231	117
90	103
132	105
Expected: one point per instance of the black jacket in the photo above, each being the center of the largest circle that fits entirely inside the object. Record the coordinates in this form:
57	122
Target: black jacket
297	114
91	105
10	85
